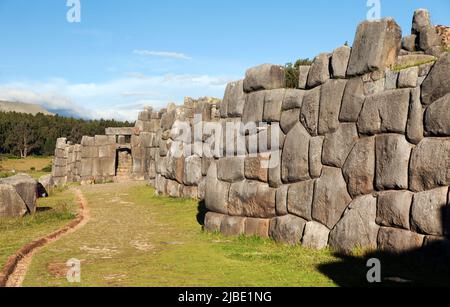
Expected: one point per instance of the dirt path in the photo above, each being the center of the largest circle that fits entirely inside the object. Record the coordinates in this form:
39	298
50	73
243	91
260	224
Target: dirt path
15	270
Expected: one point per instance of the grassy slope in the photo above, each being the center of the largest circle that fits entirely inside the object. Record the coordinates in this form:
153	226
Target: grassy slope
7	165
137	239
16	232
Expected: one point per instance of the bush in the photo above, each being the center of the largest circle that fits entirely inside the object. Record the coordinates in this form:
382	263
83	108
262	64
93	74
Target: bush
292	72
47	169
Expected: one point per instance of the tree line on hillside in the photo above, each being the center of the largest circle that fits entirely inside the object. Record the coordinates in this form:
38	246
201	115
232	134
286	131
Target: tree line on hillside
25	134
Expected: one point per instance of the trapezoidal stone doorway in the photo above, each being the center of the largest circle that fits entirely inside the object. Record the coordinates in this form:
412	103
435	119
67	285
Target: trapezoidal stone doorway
124	164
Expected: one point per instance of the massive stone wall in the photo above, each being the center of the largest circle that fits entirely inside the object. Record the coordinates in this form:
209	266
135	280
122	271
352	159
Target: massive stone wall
358	155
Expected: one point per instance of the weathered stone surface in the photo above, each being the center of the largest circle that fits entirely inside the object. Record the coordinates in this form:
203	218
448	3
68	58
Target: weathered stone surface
232	226
281	200
437	117
192	171
391	80
430	164
26	187
398	240
167	120
275	172
293	99
231	169
330	105
295	160
393	209
414	127
234	100
315	236
252	199
319	72
287	229
421	19
376	46
11	204
330	197
409	42
303	76
309	116
352	101
216	196
272	105
338	145
213	221
392	162
315	156
373	87
289	119
339	61
430	212
255	168
428	38
254	107
174	189
437	84
46	183
300	198
264	77
359	169
385	112
357	229
408	77
257	227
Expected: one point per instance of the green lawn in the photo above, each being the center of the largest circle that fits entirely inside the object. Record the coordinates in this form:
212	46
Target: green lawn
53	213
34	166
137	239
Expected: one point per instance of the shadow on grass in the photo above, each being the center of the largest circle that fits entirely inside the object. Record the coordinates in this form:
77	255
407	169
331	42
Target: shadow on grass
201	212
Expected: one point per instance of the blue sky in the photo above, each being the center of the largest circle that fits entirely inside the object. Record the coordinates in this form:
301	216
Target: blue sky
125	54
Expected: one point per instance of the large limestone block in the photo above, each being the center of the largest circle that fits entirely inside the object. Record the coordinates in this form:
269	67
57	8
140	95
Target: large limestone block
264	77
232	226
108	167
300	198
287	229
252	199
231	169
359	169
289	119
309	115
272	105
254	108
430	164
303	76
26	187
330	197
376	46
392	161
414	127
281	200
330	105
357	229
255	168
430	212
274	172
315	236
315	156
421	19
234	100
393	209
293	99
11	204
167	120
339	61
319	72
257	227
429	38
174	189
408	77
192	171
352	101
398	240
437	83
337	145
216	195
385	112
409	42
295	160
437	117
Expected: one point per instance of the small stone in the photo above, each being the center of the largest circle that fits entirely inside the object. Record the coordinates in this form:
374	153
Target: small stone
315	236
213	221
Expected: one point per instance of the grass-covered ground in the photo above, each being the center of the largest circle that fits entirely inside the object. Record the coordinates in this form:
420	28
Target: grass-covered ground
137	239
34	166
53	213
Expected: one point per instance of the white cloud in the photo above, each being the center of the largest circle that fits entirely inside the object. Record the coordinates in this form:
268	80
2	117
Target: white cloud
163	54
118	98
